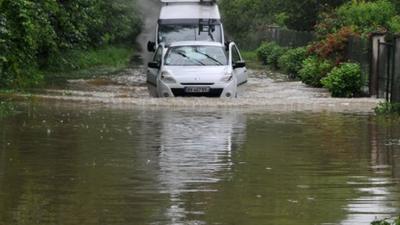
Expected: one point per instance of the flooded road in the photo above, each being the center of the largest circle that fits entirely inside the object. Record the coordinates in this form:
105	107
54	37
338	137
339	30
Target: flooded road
265	89
72	164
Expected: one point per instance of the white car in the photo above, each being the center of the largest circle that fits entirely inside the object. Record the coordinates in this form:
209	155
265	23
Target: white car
195	68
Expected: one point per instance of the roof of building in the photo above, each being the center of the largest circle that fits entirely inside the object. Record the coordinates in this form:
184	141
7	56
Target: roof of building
180	1
195	43
189	10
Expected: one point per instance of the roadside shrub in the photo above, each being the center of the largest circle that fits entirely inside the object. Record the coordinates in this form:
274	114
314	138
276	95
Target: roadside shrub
34	32
269	53
313	70
389	221
276	53
291	61
344	80
6	109
388	108
334	45
265	50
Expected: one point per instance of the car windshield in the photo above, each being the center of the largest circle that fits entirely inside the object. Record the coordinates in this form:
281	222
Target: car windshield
169	33
196	56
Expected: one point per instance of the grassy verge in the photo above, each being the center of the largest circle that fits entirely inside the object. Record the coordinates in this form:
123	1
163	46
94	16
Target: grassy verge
389	221
77	64
6	108
252	60
388	108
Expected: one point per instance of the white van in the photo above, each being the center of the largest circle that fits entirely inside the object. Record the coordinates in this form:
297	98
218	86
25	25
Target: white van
188	20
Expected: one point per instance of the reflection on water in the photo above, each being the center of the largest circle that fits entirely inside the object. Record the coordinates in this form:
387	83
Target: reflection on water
377	192
77	165
195	148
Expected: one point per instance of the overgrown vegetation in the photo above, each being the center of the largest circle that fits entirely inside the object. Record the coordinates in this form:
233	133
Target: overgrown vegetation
6	108
388	108
77	62
344	80
269	53
336	25
291	62
33	33
387	222
313	70
297	15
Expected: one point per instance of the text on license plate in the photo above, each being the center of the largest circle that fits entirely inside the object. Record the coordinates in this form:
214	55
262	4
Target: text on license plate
197	89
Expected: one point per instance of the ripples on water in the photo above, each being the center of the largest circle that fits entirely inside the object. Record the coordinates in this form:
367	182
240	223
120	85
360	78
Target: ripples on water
71	164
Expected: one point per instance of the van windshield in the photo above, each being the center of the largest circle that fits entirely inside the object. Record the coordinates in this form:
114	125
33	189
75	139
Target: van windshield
169	33
196	56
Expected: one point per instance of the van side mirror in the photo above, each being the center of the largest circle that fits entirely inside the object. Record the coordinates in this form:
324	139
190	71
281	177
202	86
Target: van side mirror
239	64
227	43
151	46
154	65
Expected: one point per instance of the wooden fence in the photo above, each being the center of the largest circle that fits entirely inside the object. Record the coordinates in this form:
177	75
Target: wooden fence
282	36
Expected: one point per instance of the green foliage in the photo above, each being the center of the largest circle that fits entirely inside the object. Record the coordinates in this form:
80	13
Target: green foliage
6	108
386	221
388	108
34	32
265	50
291	61
110	56
344	80
366	16
281	19
313	70
394	24
333	46
269	53
296	15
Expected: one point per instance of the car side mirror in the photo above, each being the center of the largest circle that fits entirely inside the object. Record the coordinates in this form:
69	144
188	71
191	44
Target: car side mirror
239	64
154	65
151	46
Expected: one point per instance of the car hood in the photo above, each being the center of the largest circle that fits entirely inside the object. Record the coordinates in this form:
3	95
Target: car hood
197	74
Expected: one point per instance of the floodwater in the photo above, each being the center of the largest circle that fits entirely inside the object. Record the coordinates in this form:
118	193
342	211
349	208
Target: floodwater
73	164
265	89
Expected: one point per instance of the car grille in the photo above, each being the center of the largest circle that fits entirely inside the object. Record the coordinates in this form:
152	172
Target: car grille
214	93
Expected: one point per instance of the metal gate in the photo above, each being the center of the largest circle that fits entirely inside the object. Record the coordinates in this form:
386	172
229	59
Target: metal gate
385	69
385	74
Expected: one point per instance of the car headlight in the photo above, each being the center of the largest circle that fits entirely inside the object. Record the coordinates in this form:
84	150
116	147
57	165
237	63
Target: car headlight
167	78
227	77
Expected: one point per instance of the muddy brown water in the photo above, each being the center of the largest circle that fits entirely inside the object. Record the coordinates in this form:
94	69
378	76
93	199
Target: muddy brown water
265	89
103	151
73	164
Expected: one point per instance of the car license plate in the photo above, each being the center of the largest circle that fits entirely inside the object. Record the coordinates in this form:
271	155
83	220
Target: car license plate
197	89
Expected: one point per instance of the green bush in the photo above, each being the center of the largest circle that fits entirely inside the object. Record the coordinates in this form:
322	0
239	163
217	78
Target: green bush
269	53
6	108
34	32
291	61
366	16
313	70
386	222
344	80
108	56
388	108
276	53
265	50
394	24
